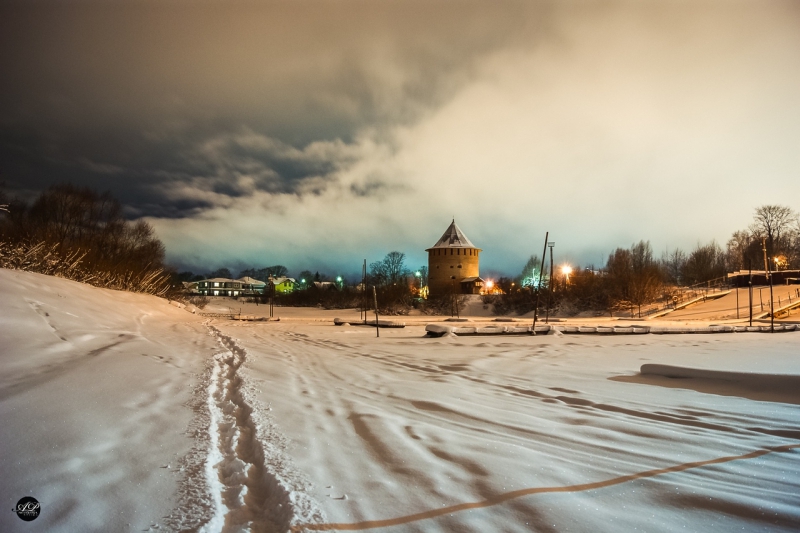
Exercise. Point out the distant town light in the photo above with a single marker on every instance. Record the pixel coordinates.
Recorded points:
(566, 270)
(489, 284)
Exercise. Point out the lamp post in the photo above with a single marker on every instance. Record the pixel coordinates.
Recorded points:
(454, 301)
(418, 275)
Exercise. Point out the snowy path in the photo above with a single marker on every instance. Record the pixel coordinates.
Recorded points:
(248, 495)
(252, 480)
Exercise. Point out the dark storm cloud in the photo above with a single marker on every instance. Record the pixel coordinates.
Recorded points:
(143, 97)
(309, 133)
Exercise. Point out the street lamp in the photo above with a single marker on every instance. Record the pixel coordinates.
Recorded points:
(566, 270)
(454, 301)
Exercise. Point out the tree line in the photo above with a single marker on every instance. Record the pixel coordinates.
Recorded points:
(633, 277)
(81, 234)
(78, 233)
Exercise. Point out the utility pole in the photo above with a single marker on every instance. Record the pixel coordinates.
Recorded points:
(271, 295)
(769, 277)
(375, 299)
(550, 290)
(750, 283)
(539, 289)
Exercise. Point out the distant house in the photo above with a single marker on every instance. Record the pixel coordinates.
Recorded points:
(219, 287)
(252, 285)
(283, 285)
(472, 285)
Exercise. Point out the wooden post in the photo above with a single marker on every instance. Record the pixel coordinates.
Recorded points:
(364, 291)
(375, 298)
(771, 302)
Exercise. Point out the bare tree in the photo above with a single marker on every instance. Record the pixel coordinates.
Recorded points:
(646, 281)
(390, 270)
(633, 277)
(704, 263)
(277, 271)
(737, 250)
(672, 265)
(775, 223)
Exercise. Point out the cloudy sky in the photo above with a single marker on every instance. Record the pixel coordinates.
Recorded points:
(316, 134)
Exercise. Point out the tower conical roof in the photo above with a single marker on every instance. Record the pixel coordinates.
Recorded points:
(453, 238)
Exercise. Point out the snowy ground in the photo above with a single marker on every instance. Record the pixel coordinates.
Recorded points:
(303, 425)
(93, 399)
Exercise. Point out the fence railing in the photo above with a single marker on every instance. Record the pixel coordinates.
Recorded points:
(683, 295)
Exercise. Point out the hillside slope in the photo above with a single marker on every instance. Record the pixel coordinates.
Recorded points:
(94, 403)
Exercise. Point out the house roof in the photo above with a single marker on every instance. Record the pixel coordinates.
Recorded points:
(251, 281)
(453, 238)
(220, 280)
(278, 281)
(469, 280)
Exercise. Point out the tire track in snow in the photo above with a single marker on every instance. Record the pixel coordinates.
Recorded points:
(246, 467)
(512, 495)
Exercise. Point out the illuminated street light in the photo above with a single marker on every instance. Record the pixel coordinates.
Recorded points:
(566, 270)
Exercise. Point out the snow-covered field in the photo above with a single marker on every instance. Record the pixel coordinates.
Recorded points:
(302, 425)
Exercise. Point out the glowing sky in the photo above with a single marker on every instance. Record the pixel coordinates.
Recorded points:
(317, 134)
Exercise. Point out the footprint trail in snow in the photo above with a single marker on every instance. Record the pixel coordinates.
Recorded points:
(253, 484)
